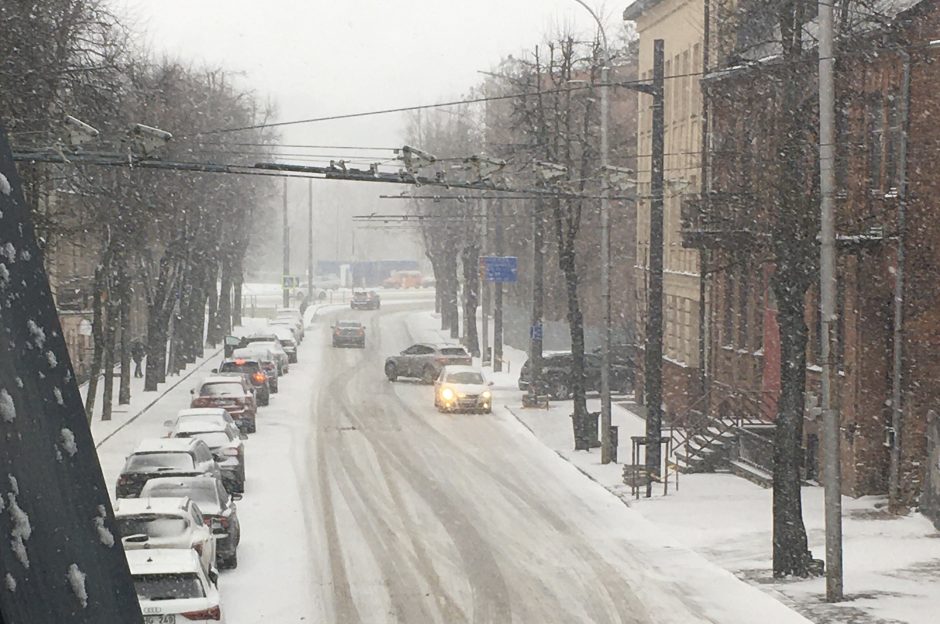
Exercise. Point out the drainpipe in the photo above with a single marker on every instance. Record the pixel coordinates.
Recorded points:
(894, 479)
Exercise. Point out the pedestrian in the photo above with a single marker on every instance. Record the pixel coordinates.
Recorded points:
(304, 304)
(137, 353)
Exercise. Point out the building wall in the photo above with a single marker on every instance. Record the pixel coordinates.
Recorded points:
(680, 24)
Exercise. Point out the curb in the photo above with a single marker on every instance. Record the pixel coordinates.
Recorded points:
(162, 394)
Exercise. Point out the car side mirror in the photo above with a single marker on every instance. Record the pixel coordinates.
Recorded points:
(236, 497)
(167, 423)
(490, 383)
(213, 576)
(215, 370)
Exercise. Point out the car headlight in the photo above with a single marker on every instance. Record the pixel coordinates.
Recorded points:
(486, 395)
(447, 394)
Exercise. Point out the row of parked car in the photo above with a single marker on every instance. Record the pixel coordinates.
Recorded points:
(176, 496)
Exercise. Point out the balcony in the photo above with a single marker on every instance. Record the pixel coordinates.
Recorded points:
(722, 221)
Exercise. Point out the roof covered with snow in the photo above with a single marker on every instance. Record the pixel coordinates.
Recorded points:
(163, 561)
(165, 445)
(137, 506)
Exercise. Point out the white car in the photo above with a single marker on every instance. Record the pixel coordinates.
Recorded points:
(206, 418)
(295, 317)
(288, 338)
(172, 583)
(462, 389)
(146, 524)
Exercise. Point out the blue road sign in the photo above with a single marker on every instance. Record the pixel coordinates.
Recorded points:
(500, 268)
(535, 332)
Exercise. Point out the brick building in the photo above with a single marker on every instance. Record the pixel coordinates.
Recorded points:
(733, 224)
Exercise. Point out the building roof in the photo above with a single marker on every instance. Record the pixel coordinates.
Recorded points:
(638, 8)
(163, 561)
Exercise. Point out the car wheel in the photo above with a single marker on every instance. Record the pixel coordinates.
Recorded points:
(428, 375)
(265, 400)
(560, 390)
(230, 562)
(391, 371)
(252, 427)
(293, 359)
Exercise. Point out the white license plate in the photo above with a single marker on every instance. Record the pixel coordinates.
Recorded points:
(160, 619)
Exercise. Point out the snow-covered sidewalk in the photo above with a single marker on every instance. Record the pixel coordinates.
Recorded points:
(892, 564)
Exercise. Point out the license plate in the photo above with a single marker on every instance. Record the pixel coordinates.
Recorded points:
(160, 619)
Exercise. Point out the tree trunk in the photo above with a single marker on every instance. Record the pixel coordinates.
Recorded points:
(123, 294)
(238, 279)
(97, 332)
(223, 320)
(110, 331)
(582, 439)
(791, 555)
(470, 259)
(212, 331)
(156, 352)
(451, 300)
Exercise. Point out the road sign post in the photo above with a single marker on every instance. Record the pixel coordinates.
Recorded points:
(500, 268)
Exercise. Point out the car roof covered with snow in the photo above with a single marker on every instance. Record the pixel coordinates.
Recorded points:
(166, 445)
(223, 378)
(203, 411)
(170, 506)
(194, 425)
(163, 561)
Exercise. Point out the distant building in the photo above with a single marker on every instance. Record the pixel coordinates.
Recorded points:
(680, 24)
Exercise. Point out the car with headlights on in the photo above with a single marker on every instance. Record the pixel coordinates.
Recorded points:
(216, 504)
(144, 523)
(349, 333)
(424, 361)
(462, 389)
(226, 446)
(159, 457)
(172, 587)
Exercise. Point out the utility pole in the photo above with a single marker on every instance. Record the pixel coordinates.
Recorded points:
(498, 293)
(484, 285)
(832, 476)
(286, 246)
(538, 270)
(654, 303)
(310, 240)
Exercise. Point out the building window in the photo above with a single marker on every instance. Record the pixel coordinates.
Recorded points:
(743, 293)
(876, 138)
(727, 325)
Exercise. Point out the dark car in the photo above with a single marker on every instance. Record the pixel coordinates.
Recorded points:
(424, 361)
(349, 333)
(254, 374)
(365, 300)
(267, 360)
(215, 503)
(233, 393)
(557, 372)
(164, 457)
(622, 366)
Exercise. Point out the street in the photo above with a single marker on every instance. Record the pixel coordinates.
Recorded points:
(363, 504)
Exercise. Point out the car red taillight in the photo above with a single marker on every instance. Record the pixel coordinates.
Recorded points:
(259, 377)
(213, 613)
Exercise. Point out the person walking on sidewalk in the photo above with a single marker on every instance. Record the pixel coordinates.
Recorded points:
(137, 353)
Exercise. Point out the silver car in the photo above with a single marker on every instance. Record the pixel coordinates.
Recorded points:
(424, 361)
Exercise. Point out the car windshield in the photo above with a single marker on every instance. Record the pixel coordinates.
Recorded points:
(349, 324)
(244, 367)
(214, 439)
(465, 377)
(152, 525)
(210, 422)
(203, 492)
(168, 586)
(221, 389)
(151, 462)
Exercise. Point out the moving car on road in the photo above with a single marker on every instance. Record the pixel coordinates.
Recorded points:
(365, 300)
(349, 333)
(462, 389)
(226, 446)
(424, 361)
(159, 457)
(217, 507)
(172, 583)
(145, 523)
(252, 373)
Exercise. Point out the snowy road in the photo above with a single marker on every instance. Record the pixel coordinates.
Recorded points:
(363, 504)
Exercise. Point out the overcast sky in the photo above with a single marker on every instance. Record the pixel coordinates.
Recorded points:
(316, 58)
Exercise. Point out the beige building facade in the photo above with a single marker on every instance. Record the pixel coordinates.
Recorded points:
(680, 24)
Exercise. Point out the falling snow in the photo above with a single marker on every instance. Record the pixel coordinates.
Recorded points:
(39, 336)
(104, 535)
(58, 396)
(50, 357)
